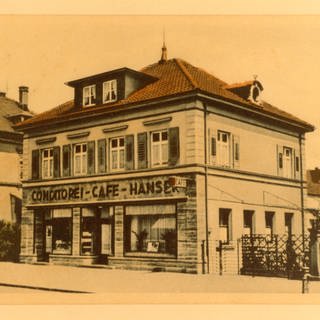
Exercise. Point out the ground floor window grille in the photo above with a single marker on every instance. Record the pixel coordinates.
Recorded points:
(61, 231)
(151, 229)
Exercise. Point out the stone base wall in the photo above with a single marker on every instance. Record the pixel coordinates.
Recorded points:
(160, 264)
(73, 260)
(28, 258)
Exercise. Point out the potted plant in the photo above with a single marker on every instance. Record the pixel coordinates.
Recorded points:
(141, 237)
(170, 238)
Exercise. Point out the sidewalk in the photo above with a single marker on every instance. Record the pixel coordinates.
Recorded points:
(101, 280)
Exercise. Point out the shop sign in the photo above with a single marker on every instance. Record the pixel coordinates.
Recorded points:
(129, 189)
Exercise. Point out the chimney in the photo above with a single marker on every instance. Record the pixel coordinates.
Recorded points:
(23, 97)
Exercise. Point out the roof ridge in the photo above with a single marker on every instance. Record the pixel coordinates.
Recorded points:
(186, 72)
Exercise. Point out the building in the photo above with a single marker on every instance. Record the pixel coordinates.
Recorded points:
(11, 112)
(151, 169)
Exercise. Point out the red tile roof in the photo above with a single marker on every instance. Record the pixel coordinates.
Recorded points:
(175, 77)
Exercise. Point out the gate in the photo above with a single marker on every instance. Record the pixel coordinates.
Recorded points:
(275, 255)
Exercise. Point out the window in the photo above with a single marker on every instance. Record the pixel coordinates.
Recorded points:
(80, 159)
(117, 153)
(287, 162)
(159, 148)
(89, 95)
(288, 219)
(225, 225)
(248, 224)
(61, 231)
(47, 163)
(109, 91)
(151, 229)
(223, 149)
(88, 232)
(269, 217)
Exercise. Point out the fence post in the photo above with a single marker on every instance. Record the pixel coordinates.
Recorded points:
(220, 258)
(277, 253)
(203, 256)
(305, 280)
(238, 254)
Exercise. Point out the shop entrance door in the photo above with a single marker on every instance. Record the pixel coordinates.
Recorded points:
(48, 242)
(106, 239)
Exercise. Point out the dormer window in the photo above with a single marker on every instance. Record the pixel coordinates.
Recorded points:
(89, 95)
(109, 91)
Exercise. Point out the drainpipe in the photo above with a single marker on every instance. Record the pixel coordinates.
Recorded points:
(206, 182)
(301, 190)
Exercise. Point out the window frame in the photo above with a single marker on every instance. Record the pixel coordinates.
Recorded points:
(49, 159)
(83, 161)
(92, 95)
(287, 165)
(118, 149)
(270, 215)
(249, 215)
(108, 89)
(221, 154)
(228, 217)
(161, 143)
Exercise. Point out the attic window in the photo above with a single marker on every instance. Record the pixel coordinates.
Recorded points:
(109, 91)
(89, 95)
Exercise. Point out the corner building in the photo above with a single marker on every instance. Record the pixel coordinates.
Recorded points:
(150, 169)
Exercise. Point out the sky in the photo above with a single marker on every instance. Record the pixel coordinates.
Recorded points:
(45, 51)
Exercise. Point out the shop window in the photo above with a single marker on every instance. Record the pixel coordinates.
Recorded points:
(288, 221)
(61, 231)
(109, 91)
(89, 232)
(47, 163)
(248, 223)
(80, 159)
(269, 223)
(225, 225)
(117, 153)
(151, 229)
(89, 95)
(159, 148)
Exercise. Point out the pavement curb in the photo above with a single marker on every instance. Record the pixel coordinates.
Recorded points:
(42, 288)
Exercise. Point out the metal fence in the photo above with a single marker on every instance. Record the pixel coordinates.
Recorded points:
(275, 255)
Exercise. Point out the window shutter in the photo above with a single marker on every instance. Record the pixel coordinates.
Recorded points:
(173, 144)
(212, 146)
(297, 164)
(91, 157)
(56, 162)
(102, 156)
(279, 159)
(142, 150)
(66, 160)
(236, 151)
(35, 165)
(129, 152)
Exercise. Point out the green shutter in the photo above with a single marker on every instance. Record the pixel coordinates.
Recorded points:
(173, 144)
(102, 156)
(35, 164)
(56, 162)
(66, 160)
(91, 157)
(142, 150)
(236, 151)
(129, 152)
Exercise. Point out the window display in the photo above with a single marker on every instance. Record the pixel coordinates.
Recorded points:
(62, 231)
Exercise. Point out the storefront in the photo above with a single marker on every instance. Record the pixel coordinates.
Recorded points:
(115, 223)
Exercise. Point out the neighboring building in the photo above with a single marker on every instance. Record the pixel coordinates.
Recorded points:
(148, 169)
(11, 112)
(313, 191)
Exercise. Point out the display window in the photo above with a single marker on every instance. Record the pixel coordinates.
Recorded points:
(151, 229)
(61, 231)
